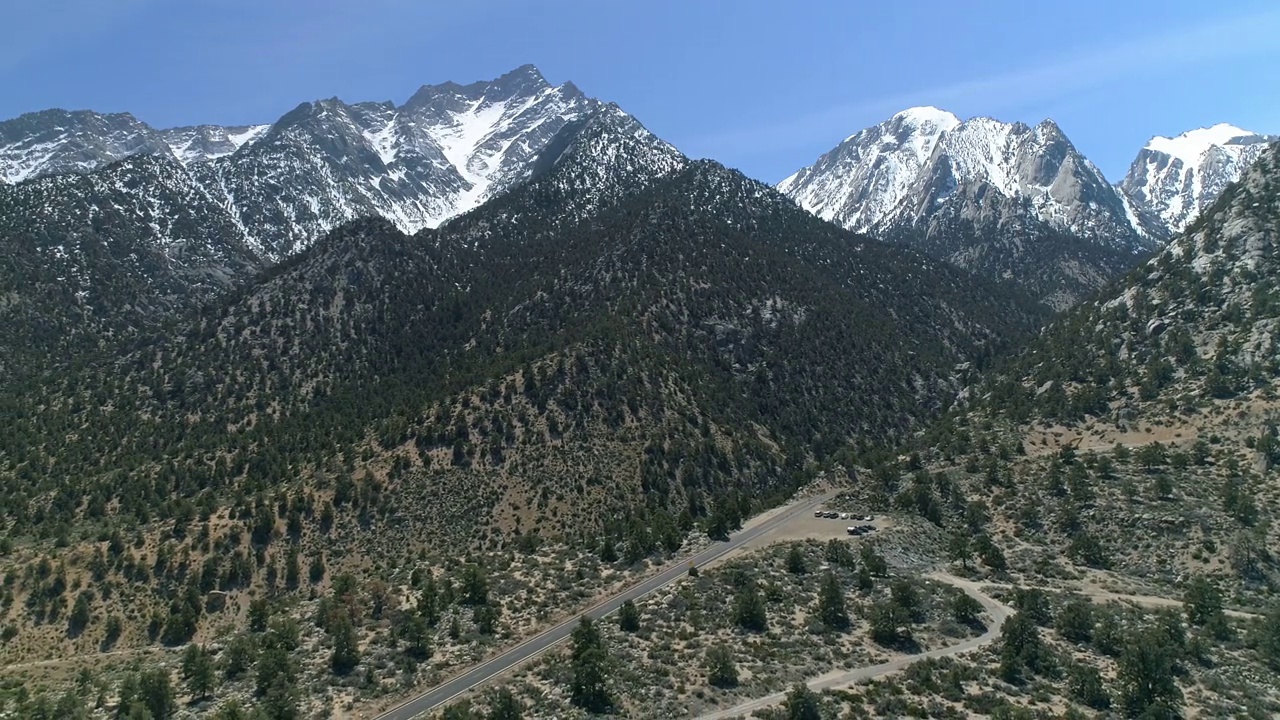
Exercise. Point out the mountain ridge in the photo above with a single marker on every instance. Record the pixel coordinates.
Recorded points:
(1008, 200)
(1173, 180)
(445, 150)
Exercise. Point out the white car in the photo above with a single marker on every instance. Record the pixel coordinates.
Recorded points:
(844, 516)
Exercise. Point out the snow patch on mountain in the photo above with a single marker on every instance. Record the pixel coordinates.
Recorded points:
(209, 142)
(859, 182)
(1174, 179)
(383, 141)
(1191, 146)
(923, 161)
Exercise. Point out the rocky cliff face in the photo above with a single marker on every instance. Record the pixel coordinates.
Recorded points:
(1009, 200)
(1173, 180)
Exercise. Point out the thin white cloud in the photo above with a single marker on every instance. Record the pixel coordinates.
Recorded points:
(1152, 55)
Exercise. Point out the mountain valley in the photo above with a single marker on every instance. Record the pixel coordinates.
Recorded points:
(307, 419)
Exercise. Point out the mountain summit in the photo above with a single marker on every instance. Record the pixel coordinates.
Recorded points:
(1173, 180)
(447, 149)
(957, 189)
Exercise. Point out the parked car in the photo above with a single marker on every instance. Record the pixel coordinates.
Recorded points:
(819, 513)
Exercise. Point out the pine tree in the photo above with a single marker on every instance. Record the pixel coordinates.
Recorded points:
(1021, 649)
(589, 687)
(629, 617)
(475, 585)
(722, 671)
(197, 670)
(429, 602)
(831, 606)
(155, 693)
(1266, 638)
(1203, 602)
(417, 637)
(801, 703)
(1145, 674)
(874, 562)
(965, 609)
(346, 650)
(80, 616)
(505, 706)
(292, 572)
(486, 618)
(795, 561)
(749, 609)
(960, 550)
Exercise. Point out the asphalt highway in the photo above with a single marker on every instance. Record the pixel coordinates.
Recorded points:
(489, 669)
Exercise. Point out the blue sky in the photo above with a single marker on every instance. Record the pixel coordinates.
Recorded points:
(761, 85)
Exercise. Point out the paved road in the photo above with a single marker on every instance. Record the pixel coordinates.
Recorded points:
(489, 669)
(842, 678)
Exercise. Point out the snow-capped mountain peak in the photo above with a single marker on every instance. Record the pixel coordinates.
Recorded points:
(863, 178)
(1174, 179)
(907, 168)
(447, 149)
(927, 117)
(209, 142)
(1191, 146)
(1008, 199)
(59, 141)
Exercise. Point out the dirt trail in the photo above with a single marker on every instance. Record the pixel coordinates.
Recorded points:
(997, 611)
(994, 608)
(1097, 594)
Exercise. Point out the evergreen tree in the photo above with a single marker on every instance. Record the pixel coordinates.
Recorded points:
(865, 582)
(722, 671)
(475, 585)
(417, 637)
(608, 551)
(888, 624)
(197, 670)
(1266, 638)
(1203, 602)
(831, 606)
(590, 661)
(838, 553)
(795, 561)
(505, 706)
(240, 654)
(292, 571)
(79, 618)
(150, 690)
(906, 596)
(1084, 683)
(429, 602)
(346, 649)
(1075, 621)
(316, 571)
(801, 704)
(1145, 675)
(749, 608)
(1021, 649)
(874, 562)
(275, 667)
(959, 549)
(629, 617)
(965, 610)
(486, 618)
